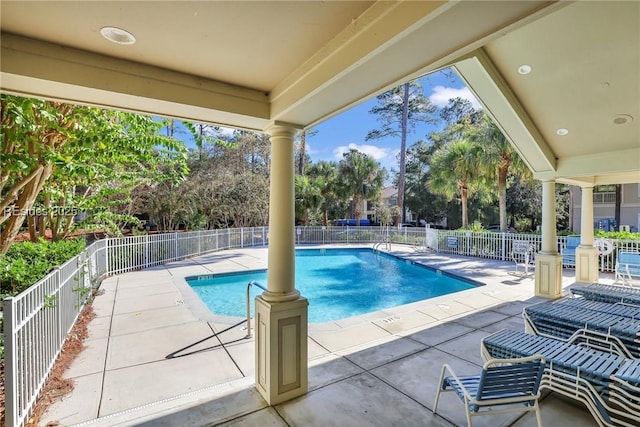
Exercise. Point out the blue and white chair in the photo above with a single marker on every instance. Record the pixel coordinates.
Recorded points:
(510, 383)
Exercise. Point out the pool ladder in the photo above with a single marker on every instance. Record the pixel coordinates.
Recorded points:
(386, 243)
(252, 283)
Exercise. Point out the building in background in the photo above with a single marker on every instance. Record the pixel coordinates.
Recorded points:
(605, 205)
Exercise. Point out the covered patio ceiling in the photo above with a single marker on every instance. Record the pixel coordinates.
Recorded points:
(249, 64)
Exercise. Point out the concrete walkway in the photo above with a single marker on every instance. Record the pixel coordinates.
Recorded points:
(156, 356)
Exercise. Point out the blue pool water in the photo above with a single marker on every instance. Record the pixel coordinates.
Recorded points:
(338, 283)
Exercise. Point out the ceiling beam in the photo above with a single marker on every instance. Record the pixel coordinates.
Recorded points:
(39, 69)
(484, 80)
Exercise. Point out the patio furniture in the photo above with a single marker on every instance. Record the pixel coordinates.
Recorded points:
(569, 250)
(625, 387)
(606, 383)
(514, 382)
(522, 253)
(608, 327)
(608, 293)
(627, 267)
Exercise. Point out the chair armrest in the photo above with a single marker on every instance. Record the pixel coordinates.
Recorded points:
(447, 368)
(492, 362)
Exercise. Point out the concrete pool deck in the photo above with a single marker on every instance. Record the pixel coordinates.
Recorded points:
(155, 356)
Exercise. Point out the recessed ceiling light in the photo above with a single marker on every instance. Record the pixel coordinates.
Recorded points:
(524, 69)
(117, 35)
(622, 119)
(562, 131)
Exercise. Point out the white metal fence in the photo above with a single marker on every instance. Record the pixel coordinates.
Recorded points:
(37, 321)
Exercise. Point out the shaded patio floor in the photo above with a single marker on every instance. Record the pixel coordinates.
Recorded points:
(156, 356)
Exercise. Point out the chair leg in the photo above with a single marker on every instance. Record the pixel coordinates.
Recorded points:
(466, 407)
(537, 409)
(435, 404)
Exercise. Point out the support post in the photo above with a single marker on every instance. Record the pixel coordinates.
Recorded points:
(548, 275)
(281, 313)
(586, 253)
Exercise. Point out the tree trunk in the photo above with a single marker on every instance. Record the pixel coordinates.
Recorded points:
(303, 149)
(502, 196)
(357, 208)
(463, 201)
(31, 225)
(403, 152)
(24, 203)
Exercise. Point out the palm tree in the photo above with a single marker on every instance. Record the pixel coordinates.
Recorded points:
(498, 160)
(454, 171)
(360, 178)
(326, 173)
(308, 196)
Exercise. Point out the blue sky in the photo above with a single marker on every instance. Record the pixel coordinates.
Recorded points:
(349, 129)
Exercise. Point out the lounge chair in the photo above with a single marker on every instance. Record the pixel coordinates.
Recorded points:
(569, 251)
(522, 253)
(625, 387)
(608, 293)
(605, 326)
(606, 383)
(627, 267)
(514, 382)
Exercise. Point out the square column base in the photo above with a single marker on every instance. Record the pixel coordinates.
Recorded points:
(586, 264)
(281, 349)
(548, 275)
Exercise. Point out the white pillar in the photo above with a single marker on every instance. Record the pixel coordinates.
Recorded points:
(548, 276)
(281, 313)
(549, 236)
(281, 262)
(586, 253)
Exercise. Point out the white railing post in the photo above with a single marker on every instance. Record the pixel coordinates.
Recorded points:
(106, 255)
(10, 362)
(146, 251)
(504, 246)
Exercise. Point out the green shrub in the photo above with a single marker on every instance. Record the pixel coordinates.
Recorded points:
(620, 235)
(26, 262)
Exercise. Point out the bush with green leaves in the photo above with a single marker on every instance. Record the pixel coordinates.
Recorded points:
(26, 262)
(620, 235)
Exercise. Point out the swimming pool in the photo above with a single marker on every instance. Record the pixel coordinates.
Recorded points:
(338, 283)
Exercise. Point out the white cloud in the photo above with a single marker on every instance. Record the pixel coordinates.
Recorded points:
(218, 131)
(310, 149)
(378, 153)
(441, 96)
(228, 132)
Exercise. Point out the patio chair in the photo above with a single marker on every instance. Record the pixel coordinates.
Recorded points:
(513, 382)
(608, 327)
(522, 253)
(625, 388)
(627, 267)
(608, 293)
(569, 250)
(607, 384)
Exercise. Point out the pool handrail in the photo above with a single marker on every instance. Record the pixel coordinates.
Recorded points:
(251, 283)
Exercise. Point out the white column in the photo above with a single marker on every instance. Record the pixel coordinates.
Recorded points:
(548, 276)
(586, 253)
(549, 236)
(281, 313)
(281, 263)
(586, 217)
